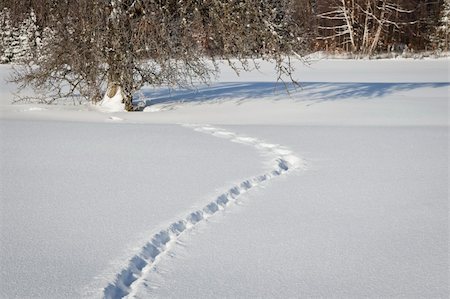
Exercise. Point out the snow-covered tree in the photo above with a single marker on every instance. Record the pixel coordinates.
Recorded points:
(442, 34)
(114, 47)
(17, 41)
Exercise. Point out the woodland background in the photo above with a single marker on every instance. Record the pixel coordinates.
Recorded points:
(361, 27)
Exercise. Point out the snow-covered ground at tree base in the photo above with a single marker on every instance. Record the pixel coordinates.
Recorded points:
(336, 189)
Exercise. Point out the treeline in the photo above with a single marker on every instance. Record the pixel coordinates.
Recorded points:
(353, 26)
(369, 26)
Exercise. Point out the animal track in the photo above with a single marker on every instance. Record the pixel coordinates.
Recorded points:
(282, 161)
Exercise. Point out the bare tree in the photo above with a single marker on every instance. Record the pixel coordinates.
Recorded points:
(114, 47)
(362, 23)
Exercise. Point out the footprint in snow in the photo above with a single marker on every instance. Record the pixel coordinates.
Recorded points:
(115, 118)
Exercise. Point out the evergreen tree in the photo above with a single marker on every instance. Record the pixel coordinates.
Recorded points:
(441, 36)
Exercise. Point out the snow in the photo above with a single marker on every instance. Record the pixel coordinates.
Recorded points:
(113, 104)
(77, 198)
(332, 92)
(337, 189)
(282, 160)
(366, 220)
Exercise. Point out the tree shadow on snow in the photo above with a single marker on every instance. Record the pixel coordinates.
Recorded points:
(314, 92)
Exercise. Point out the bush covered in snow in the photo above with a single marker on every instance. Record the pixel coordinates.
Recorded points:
(16, 41)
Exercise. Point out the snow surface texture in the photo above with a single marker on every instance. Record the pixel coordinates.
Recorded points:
(368, 219)
(78, 198)
(83, 190)
(282, 159)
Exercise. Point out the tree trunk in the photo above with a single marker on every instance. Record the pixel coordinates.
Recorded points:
(118, 92)
(348, 20)
(128, 101)
(120, 76)
(376, 38)
(365, 41)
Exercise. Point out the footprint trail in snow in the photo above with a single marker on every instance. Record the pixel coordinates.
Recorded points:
(280, 160)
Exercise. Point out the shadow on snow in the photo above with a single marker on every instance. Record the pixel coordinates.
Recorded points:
(308, 91)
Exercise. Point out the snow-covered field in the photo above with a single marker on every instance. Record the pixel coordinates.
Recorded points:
(237, 190)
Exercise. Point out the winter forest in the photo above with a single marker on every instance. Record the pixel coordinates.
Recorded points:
(356, 26)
